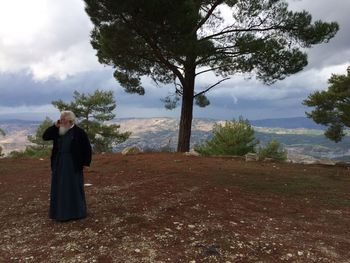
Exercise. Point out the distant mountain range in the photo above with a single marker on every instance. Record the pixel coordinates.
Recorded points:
(300, 136)
(287, 123)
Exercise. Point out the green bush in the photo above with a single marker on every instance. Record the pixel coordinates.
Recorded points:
(16, 154)
(233, 138)
(39, 147)
(273, 150)
(30, 152)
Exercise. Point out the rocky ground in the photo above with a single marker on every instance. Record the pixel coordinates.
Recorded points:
(167, 207)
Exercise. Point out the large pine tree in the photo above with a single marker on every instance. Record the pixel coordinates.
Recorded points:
(176, 41)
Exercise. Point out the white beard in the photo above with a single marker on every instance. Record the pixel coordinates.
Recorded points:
(62, 130)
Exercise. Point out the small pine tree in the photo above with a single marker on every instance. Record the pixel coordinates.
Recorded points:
(273, 150)
(38, 146)
(233, 138)
(92, 112)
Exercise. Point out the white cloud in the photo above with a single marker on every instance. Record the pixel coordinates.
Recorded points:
(77, 58)
(48, 38)
(22, 21)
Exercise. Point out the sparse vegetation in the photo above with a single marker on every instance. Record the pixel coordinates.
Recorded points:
(16, 154)
(38, 147)
(233, 138)
(164, 148)
(145, 205)
(1, 153)
(273, 150)
(1, 149)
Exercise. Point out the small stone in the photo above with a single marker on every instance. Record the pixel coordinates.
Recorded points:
(191, 226)
(131, 150)
(137, 250)
(300, 253)
(249, 157)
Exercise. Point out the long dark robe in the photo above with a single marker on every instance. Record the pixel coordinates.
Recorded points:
(67, 198)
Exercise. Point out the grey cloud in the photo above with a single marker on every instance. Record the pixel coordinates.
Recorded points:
(17, 89)
(337, 51)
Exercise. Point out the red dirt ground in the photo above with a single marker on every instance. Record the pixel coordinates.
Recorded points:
(167, 207)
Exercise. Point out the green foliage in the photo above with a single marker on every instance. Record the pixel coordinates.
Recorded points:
(174, 42)
(332, 106)
(38, 146)
(92, 112)
(1, 149)
(233, 138)
(170, 102)
(273, 150)
(164, 148)
(17, 154)
(157, 38)
(202, 101)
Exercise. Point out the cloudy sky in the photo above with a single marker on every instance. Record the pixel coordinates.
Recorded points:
(45, 54)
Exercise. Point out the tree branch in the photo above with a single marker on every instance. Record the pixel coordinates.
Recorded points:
(156, 50)
(209, 13)
(178, 90)
(207, 59)
(209, 88)
(250, 29)
(211, 69)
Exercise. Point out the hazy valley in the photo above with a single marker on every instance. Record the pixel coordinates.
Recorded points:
(301, 137)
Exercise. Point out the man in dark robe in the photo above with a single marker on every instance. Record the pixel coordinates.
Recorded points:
(70, 153)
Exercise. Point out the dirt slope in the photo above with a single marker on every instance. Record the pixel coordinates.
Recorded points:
(159, 207)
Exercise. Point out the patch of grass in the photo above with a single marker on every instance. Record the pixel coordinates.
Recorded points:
(327, 189)
(338, 201)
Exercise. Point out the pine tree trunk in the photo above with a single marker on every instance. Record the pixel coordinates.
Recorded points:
(186, 112)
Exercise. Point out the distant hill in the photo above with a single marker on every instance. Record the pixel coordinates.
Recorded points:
(299, 135)
(288, 123)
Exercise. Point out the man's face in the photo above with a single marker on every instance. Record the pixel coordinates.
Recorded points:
(64, 121)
